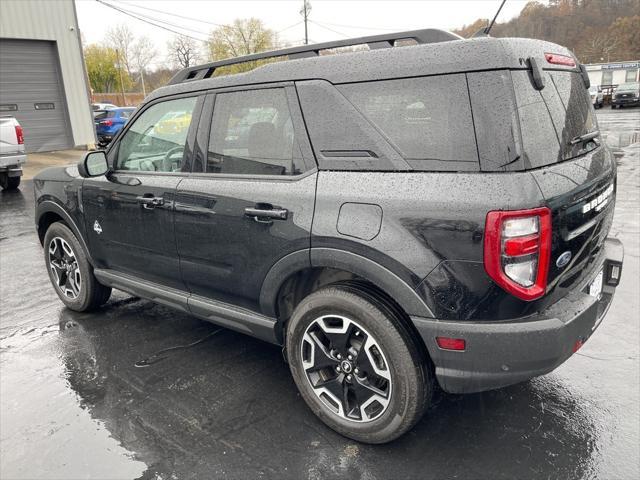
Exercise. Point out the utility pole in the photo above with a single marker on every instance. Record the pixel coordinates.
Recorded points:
(144, 91)
(121, 81)
(306, 10)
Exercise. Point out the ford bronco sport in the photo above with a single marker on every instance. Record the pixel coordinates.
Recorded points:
(397, 217)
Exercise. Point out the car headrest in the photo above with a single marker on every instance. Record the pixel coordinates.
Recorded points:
(262, 141)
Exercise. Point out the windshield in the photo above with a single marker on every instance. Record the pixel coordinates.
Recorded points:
(628, 87)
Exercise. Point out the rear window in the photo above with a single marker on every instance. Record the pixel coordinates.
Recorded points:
(427, 119)
(105, 114)
(552, 117)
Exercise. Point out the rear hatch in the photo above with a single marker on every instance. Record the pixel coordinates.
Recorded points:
(576, 173)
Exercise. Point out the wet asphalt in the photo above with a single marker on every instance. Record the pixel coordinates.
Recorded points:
(137, 390)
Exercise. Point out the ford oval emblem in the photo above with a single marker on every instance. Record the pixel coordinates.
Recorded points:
(563, 259)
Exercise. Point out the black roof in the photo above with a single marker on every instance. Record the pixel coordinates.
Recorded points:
(445, 56)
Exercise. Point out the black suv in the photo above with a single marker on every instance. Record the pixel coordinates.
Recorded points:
(397, 217)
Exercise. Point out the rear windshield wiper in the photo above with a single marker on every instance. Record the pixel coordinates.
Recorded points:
(585, 137)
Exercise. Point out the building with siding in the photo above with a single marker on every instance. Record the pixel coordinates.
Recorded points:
(608, 74)
(43, 82)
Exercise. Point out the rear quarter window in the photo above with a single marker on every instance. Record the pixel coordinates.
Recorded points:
(428, 119)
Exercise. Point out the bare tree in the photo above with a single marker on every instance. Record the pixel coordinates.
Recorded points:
(183, 51)
(121, 38)
(599, 48)
(143, 53)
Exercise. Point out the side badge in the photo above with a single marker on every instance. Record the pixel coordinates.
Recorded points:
(97, 228)
(563, 259)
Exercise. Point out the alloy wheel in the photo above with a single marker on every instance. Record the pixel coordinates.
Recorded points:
(346, 368)
(64, 267)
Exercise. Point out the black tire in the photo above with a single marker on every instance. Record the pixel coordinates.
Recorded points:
(90, 294)
(9, 183)
(411, 381)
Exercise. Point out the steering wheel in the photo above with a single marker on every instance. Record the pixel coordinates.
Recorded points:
(166, 161)
(148, 165)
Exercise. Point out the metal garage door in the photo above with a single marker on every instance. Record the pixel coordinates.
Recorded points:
(31, 90)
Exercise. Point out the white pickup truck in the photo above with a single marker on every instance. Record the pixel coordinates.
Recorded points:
(12, 153)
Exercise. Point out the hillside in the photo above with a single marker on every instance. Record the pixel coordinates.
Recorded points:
(596, 30)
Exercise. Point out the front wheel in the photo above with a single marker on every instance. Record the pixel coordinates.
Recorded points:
(356, 365)
(70, 272)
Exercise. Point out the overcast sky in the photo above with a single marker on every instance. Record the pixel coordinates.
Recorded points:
(329, 19)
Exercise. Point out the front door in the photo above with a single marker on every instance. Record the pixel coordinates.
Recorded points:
(252, 202)
(129, 213)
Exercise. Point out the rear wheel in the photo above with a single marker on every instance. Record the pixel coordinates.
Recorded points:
(9, 183)
(70, 272)
(356, 365)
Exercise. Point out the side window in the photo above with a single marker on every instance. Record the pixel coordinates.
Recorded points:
(156, 140)
(252, 133)
(425, 118)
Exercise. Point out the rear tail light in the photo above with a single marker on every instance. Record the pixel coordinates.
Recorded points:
(106, 123)
(557, 59)
(447, 343)
(19, 135)
(517, 248)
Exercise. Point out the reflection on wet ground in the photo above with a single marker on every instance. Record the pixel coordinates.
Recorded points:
(137, 390)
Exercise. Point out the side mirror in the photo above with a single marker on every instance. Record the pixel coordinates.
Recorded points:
(93, 164)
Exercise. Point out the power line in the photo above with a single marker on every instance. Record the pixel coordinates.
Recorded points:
(148, 21)
(148, 17)
(330, 29)
(172, 14)
(184, 17)
(363, 28)
(290, 26)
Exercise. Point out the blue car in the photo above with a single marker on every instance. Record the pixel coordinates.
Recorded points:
(110, 122)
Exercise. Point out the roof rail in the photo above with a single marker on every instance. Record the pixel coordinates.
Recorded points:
(430, 35)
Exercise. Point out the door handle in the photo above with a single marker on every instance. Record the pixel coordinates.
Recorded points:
(149, 201)
(259, 214)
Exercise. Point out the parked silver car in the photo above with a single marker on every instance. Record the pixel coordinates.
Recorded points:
(12, 153)
(597, 97)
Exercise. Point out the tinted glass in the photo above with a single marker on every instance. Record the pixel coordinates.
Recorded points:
(551, 118)
(156, 140)
(496, 120)
(252, 133)
(425, 118)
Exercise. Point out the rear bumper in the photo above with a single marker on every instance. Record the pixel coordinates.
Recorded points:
(12, 163)
(498, 354)
(105, 138)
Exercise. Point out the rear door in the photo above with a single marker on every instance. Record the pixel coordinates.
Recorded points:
(129, 213)
(576, 176)
(250, 198)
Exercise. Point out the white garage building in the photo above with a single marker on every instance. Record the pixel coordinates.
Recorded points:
(606, 74)
(42, 74)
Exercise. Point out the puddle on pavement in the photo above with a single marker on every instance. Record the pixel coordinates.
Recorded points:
(47, 430)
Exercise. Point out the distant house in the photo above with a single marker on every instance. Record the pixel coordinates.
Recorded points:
(42, 76)
(605, 74)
